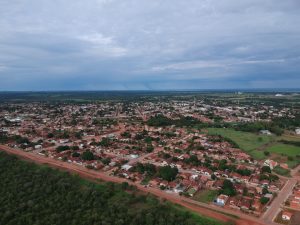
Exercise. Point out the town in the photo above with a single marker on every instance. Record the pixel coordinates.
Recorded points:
(224, 152)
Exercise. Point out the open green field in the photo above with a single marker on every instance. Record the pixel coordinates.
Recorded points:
(282, 171)
(253, 144)
(289, 154)
(284, 149)
(206, 196)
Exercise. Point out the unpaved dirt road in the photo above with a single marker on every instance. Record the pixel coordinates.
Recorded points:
(206, 210)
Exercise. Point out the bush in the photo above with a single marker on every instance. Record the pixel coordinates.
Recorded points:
(266, 169)
(168, 173)
(264, 200)
(62, 148)
(88, 156)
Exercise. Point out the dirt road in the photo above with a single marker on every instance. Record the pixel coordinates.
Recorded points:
(204, 209)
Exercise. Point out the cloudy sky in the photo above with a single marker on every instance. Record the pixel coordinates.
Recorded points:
(149, 44)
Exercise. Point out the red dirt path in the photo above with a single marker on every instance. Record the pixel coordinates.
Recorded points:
(90, 174)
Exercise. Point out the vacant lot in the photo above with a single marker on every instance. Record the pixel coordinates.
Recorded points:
(282, 171)
(286, 153)
(253, 144)
(206, 196)
(284, 149)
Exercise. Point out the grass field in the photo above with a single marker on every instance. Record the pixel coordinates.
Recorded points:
(289, 154)
(248, 142)
(255, 145)
(206, 196)
(282, 171)
(284, 149)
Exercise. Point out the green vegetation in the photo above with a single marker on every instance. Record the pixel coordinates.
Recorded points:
(261, 147)
(266, 169)
(168, 173)
(295, 143)
(206, 196)
(255, 127)
(286, 153)
(62, 148)
(282, 171)
(87, 155)
(105, 122)
(287, 150)
(248, 142)
(264, 200)
(162, 121)
(198, 219)
(228, 188)
(31, 194)
(147, 168)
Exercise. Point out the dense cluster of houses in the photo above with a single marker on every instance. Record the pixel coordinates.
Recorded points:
(118, 139)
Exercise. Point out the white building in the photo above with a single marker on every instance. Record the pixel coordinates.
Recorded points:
(222, 199)
(286, 215)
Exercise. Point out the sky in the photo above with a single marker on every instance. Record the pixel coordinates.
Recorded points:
(149, 44)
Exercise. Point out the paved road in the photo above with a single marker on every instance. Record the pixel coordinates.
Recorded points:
(274, 208)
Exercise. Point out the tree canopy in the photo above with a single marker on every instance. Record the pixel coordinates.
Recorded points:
(37, 195)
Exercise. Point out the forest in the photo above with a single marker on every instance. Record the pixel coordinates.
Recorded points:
(38, 195)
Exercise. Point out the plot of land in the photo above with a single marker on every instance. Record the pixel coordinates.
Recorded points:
(248, 142)
(206, 196)
(284, 149)
(255, 145)
(282, 171)
(286, 153)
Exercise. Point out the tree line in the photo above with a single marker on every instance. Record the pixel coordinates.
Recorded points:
(38, 195)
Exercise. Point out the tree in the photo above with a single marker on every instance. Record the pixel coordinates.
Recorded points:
(264, 200)
(106, 161)
(124, 185)
(265, 191)
(104, 142)
(78, 135)
(87, 155)
(193, 160)
(213, 177)
(62, 148)
(75, 154)
(148, 140)
(50, 135)
(75, 148)
(168, 173)
(266, 169)
(228, 188)
(31, 192)
(244, 172)
(126, 134)
(150, 148)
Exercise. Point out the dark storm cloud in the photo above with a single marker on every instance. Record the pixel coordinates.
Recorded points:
(134, 44)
